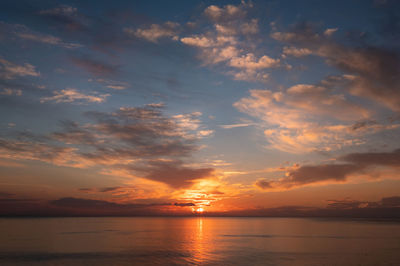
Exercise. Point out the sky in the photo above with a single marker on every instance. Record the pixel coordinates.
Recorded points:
(265, 108)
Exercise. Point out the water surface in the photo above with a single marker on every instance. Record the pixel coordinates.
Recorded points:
(198, 241)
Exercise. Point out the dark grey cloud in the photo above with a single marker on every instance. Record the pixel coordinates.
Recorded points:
(391, 159)
(176, 174)
(188, 204)
(371, 71)
(6, 194)
(346, 204)
(391, 202)
(98, 204)
(66, 16)
(104, 189)
(109, 189)
(384, 208)
(352, 163)
(387, 207)
(94, 66)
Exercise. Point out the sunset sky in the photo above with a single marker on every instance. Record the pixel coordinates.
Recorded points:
(166, 107)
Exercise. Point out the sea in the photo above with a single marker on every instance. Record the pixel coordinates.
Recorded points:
(198, 241)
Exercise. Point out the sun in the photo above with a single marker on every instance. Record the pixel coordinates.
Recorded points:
(198, 210)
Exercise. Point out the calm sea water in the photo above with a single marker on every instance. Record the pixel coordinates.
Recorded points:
(198, 241)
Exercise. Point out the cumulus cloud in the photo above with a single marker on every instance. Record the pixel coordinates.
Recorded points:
(229, 42)
(250, 62)
(347, 166)
(296, 52)
(155, 31)
(227, 12)
(9, 70)
(71, 95)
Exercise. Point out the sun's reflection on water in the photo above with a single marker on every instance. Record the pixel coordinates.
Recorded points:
(199, 244)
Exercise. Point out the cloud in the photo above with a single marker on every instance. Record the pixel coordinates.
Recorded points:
(250, 62)
(9, 92)
(66, 16)
(25, 33)
(306, 175)
(111, 84)
(296, 52)
(109, 189)
(350, 164)
(235, 125)
(387, 207)
(89, 207)
(48, 39)
(71, 95)
(29, 150)
(9, 70)
(329, 32)
(64, 10)
(94, 67)
(373, 72)
(335, 208)
(155, 31)
(230, 43)
(188, 204)
(296, 119)
(391, 201)
(226, 13)
(177, 174)
(390, 159)
(139, 141)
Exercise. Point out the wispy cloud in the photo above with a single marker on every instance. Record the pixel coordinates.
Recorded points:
(111, 84)
(48, 39)
(9, 70)
(71, 95)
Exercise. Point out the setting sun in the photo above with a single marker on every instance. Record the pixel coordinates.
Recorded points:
(198, 210)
